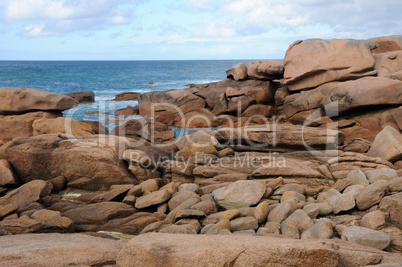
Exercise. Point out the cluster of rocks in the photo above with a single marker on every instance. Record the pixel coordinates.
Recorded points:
(307, 148)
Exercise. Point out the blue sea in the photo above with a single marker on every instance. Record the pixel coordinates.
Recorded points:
(109, 78)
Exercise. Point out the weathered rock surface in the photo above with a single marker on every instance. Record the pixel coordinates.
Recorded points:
(7, 176)
(280, 136)
(374, 220)
(98, 213)
(387, 145)
(15, 100)
(239, 194)
(371, 195)
(387, 43)
(313, 62)
(125, 96)
(62, 125)
(132, 224)
(211, 250)
(393, 205)
(83, 96)
(367, 237)
(154, 198)
(265, 69)
(13, 126)
(238, 72)
(87, 163)
(128, 111)
(58, 250)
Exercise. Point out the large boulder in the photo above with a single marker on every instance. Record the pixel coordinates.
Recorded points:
(202, 118)
(13, 126)
(280, 136)
(157, 103)
(237, 72)
(25, 195)
(339, 98)
(387, 145)
(387, 43)
(54, 249)
(126, 96)
(62, 125)
(239, 194)
(83, 96)
(389, 63)
(21, 100)
(145, 131)
(155, 249)
(232, 97)
(313, 62)
(265, 69)
(366, 237)
(85, 163)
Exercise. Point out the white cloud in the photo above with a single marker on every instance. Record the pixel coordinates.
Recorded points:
(58, 17)
(34, 31)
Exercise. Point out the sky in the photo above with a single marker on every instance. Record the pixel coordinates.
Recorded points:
(183, 29)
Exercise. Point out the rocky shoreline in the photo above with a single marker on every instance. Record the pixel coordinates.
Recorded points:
(309, 148)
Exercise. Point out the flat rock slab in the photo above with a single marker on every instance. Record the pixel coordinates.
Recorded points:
(156, 249)
(21, 100)
(58, 250)
(279, 136)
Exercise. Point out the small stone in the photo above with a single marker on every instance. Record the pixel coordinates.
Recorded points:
(282, 211)
(321, 230)
(366, 237)
(7, 176)
(340, 203)
(226, 152)
(7, 209)
(374, 220)
(189, 187)
(185, 205)
(162, 208)
(261, 211)
(179, 229)
(180, 197)
(395, 185)
(354, 190)
(290, 187)
(243, 223)
(296, 224)
(193, 222)
(150, 185)
(371, 195)
(54, 219)
(292, 194)
(171, 187)
(189, 213)
(341, 184)
(272, 228)
(217, 228)
(130, 200)
(230, 214)
(153, 227)
(380, 174)
(323, 196)
(239, 194)
(225, 232)
(208, 207)
(153, 198)
(357, 177)
(312, 210)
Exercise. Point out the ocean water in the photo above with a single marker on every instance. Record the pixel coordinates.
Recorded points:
(108, 78)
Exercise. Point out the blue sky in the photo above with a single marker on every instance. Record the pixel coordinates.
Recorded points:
(183, 29)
